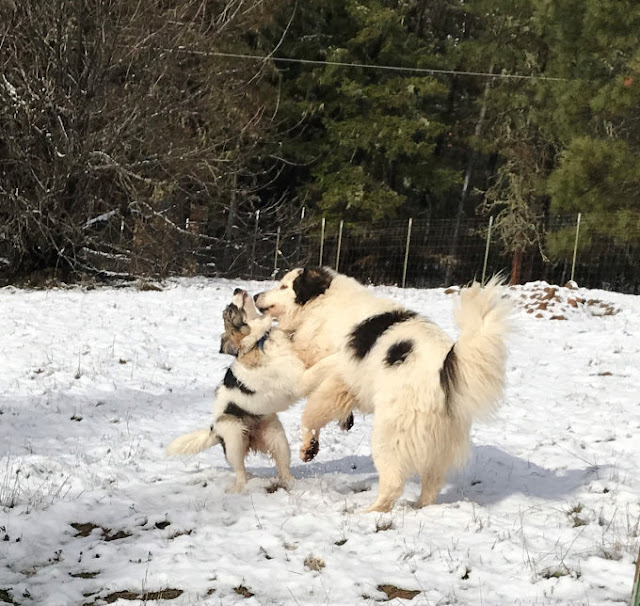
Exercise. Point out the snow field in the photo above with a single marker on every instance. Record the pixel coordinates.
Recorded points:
(95, 383)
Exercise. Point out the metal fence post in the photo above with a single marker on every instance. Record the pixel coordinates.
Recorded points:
(299, 244)
(339, 244)
(635, 596)
(486, 249)
(322, 226)
(253, 246)
(575, 247)
(406, 253)
(275, 256)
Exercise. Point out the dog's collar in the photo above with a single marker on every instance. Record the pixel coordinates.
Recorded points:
(262, 340)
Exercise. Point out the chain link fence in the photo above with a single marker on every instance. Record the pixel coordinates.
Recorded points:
(423, 253)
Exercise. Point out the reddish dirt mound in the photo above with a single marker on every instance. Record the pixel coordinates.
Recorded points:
(549, 302)
(559, 302)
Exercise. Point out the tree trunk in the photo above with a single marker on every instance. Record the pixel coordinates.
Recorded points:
(516, 268)
(453, 250)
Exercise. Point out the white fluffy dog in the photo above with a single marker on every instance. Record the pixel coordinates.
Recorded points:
(424, 389)
(264, 379)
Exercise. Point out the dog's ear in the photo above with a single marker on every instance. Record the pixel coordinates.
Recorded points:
(232, 318)
(311, 283)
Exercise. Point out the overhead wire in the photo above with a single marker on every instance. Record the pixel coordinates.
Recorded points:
(398, 68)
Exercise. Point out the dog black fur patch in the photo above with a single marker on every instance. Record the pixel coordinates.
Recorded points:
(312, 451)
(448, 376)
(234, 410)
(398, 352)
(224, 446)
(347, 424)
(311, 283)
(230, 381)
(364, 336)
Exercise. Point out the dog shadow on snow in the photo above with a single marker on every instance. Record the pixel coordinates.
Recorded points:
(491, 475)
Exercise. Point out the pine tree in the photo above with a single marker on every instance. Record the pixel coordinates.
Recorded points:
(596, 117)
(365, 140)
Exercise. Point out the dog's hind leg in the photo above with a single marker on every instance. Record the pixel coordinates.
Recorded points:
(431, 482)
(274, 442)
(236, 446)
(391, 471)
(330, 401)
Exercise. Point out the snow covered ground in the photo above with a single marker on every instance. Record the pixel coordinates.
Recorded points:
(95, 383)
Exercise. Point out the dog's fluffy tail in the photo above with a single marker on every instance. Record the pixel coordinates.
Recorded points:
(193, 443)
(473, 371)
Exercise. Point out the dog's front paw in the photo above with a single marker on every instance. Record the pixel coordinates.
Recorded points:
(381, 507)
(285, 482)
(308, 453)
(235, 488)
(346, 424)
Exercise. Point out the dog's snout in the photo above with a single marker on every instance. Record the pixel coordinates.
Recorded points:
(237, 291)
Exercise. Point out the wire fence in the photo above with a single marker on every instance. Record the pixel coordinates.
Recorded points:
(423, 253)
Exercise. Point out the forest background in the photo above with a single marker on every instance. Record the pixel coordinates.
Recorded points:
(171, 137)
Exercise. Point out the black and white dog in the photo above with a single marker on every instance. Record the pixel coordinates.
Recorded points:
(264, 379)
(368, 352)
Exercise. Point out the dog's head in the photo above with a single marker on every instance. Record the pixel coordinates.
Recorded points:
(295, 290)
(236, 316)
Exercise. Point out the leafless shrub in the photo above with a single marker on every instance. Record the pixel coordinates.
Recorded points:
(118, 123)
